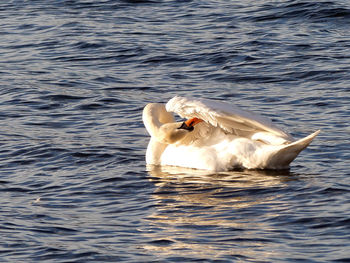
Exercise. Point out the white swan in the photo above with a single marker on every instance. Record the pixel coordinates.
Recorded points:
(217, 136)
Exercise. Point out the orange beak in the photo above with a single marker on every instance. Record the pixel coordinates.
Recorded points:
(193, 121)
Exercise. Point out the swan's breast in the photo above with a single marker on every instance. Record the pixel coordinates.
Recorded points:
(190, 156)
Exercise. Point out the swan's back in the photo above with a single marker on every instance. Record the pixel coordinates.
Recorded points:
(228, 117)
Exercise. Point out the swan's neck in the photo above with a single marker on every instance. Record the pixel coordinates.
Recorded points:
(154, 116)
(154, 151)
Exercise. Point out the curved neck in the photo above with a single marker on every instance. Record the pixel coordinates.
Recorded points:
(154, 116)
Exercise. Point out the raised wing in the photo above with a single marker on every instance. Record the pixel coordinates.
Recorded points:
(226, 116)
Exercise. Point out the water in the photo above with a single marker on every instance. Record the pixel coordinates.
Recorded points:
(74, 77)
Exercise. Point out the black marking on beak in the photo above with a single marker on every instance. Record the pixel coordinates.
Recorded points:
(185, 127)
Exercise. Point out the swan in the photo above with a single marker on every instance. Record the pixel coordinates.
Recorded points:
(216, 136)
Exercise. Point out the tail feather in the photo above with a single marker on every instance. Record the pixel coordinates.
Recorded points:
(284, 156)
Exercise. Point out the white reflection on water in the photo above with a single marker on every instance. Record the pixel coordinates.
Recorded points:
(207, 214)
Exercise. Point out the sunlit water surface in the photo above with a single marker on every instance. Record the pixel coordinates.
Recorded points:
(74, 77)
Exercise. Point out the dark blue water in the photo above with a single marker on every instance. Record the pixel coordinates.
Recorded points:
(74, 77)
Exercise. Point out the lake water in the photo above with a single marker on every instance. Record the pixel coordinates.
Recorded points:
(74, 78)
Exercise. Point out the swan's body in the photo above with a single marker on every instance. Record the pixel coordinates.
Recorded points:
(217, 136)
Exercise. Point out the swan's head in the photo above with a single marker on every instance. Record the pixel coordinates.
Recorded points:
(173, 132)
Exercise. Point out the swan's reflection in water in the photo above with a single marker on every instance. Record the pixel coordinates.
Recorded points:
(205, 214)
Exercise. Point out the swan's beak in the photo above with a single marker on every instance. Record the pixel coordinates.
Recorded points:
(193, 121)
(189, 124)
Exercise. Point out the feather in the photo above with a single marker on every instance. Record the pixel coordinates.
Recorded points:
(228, 117)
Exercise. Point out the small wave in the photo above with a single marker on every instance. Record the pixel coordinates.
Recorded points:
(313, 11)
(62, 97)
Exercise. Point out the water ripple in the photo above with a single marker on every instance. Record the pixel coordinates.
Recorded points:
(75, 76)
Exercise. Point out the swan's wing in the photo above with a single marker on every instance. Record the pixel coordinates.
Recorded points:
(226, 116)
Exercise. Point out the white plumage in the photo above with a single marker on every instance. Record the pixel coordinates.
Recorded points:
(222, 138)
